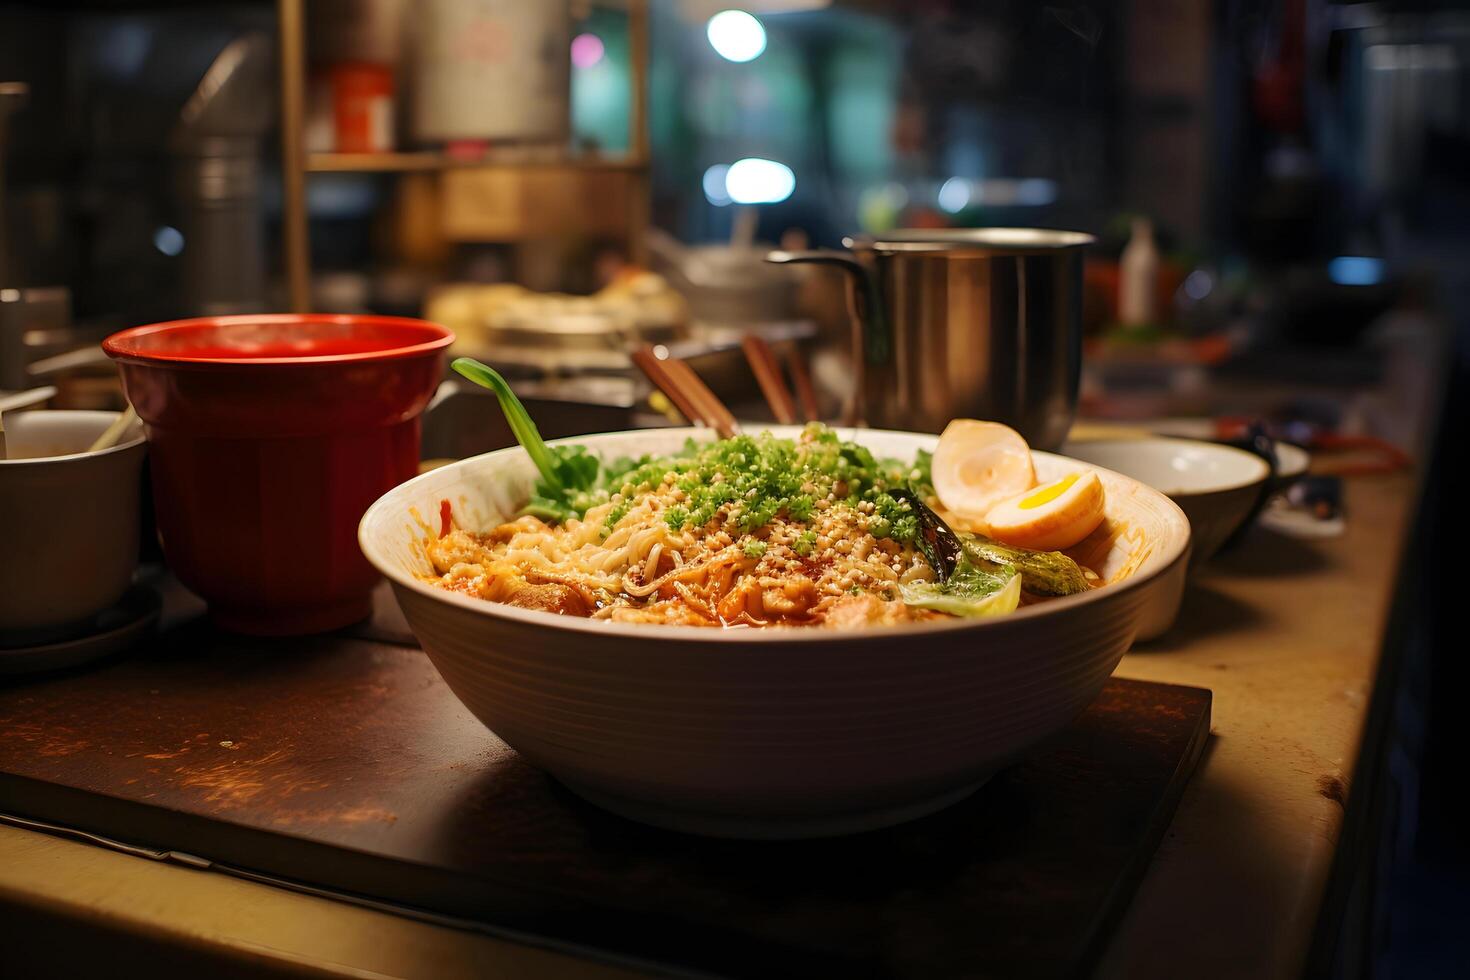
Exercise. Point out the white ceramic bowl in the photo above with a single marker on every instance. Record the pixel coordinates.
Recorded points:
(68, 520)
(769, 733)
(1292, 463)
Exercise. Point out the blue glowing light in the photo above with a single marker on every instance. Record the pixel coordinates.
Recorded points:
(1355, 270)
(954, 194)
(168, 240)
(714, 185)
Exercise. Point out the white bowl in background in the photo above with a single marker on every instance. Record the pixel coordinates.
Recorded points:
(774, 733)
(68, 520)
(1292, 463)
(1218, 487)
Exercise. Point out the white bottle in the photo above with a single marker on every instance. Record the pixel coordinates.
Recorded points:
(1138, 276)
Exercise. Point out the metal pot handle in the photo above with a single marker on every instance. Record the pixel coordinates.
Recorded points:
(867, 302)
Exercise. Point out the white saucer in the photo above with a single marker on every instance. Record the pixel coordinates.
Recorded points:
(117, 628)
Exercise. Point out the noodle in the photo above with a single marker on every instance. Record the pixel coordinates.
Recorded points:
(749, 531)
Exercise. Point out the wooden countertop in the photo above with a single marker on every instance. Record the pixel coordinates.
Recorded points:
(1285, 632)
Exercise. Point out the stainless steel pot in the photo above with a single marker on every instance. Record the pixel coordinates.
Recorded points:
(965, 323)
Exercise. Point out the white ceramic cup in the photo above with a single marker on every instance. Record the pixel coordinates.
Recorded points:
(68, 519)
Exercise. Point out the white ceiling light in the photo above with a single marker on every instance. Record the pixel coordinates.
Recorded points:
(757, 181)
(736, 35)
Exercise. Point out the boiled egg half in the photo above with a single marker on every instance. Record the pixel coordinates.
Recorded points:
(1050, 517)
(977, 465)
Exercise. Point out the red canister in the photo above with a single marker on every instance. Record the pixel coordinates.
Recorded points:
(362, 107)
(269, 436)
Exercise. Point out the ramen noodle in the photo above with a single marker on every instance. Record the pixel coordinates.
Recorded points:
(751, 531)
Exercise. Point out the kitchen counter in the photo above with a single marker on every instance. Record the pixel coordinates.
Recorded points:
(1285, 632)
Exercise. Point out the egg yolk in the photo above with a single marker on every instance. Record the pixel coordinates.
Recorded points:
(1047, 494)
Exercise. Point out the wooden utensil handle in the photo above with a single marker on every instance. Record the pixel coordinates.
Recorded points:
(800, 377)
(767, 373)
(685, 389)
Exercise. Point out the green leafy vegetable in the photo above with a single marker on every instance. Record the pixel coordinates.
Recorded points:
(970, 591)
(570, 476)
(516, 416)
(1047, 573)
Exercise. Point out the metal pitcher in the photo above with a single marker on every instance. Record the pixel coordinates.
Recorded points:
(979, 323)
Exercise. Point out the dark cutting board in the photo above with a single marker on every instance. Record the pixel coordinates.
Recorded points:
(344, 763)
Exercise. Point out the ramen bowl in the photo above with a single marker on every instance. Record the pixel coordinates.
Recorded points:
(768, 733)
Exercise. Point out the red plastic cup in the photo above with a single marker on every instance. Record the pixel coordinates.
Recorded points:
(268, 438)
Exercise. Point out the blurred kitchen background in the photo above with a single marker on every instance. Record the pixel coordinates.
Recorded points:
(1291, 175)
(1279, 191)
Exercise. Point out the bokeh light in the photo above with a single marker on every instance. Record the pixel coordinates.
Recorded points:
(880, 208)
(736, 35)
(757, 181)
(587, 50)
(714, 185)
(954, 194)
(1036, 191)
(1198, 284)
(1355, 270)
(168, 240)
